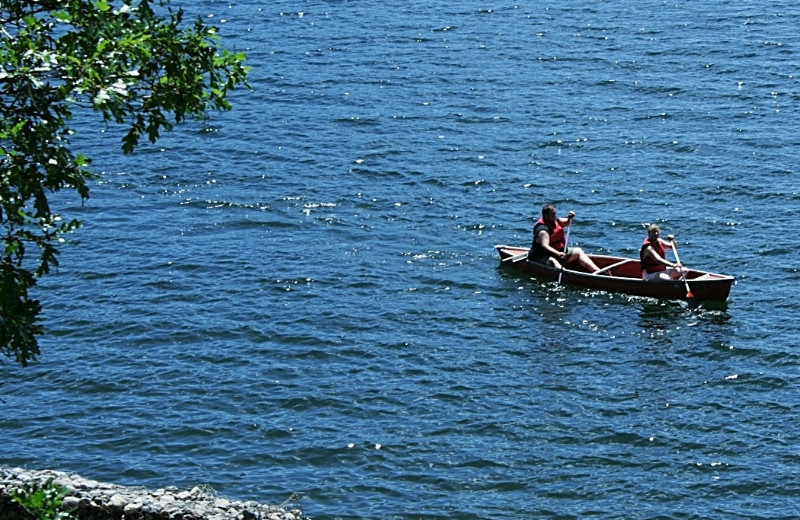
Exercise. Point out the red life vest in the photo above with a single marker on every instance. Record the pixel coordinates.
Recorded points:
(556, 233)
(650, 264)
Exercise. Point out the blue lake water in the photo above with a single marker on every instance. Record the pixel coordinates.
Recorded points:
(302, 295)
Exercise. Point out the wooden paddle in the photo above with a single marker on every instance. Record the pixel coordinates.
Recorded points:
(689, 296)
(566, 241)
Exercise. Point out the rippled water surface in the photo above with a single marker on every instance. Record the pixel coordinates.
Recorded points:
(302, 295)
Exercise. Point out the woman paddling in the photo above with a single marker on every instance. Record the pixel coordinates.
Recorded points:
(655, 265)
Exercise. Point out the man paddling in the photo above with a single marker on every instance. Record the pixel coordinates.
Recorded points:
(548, 246)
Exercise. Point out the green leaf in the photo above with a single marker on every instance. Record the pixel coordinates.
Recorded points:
(102, 5)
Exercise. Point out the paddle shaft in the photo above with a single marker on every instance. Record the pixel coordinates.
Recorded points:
(675, 250)
(566, 241)
(689, 295)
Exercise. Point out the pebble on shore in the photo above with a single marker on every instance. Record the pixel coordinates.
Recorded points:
(92, 500)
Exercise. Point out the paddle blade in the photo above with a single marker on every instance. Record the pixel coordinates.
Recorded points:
(690, 299)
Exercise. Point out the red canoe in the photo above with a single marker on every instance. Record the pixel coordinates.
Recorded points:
(622, 275)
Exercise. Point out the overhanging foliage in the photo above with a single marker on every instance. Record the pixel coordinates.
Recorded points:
(137, 64)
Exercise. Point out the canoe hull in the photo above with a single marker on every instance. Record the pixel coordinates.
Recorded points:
(623, 277)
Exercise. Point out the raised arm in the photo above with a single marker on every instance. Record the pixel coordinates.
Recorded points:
(566, 221)
(671, 244)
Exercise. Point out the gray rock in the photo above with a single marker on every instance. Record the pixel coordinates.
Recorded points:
(91, 500)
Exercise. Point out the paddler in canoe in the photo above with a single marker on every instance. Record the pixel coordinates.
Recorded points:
(652, 255)
(549, 245)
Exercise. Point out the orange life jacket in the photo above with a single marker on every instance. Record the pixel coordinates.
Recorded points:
(650, 264)
(557, 240)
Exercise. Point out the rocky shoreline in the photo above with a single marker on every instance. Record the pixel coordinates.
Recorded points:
(92, 500)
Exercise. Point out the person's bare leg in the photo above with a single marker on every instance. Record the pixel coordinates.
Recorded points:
(552, 262)
(583, 259)
(677, 272)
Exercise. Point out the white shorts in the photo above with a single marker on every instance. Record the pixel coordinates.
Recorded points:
(663, 276)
